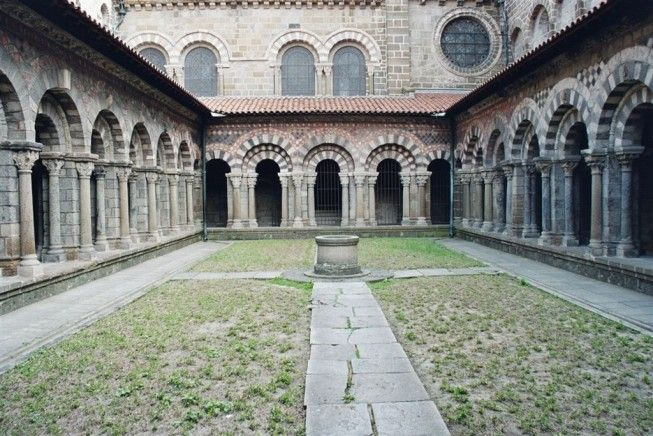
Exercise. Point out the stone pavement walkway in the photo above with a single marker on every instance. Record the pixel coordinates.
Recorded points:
(359, 380)
(631, 308)
(46, 322)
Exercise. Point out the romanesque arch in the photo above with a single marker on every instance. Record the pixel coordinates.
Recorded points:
(107, 139)
(399, 153)
(524, 118)
(184, 159)
(12, 120)
(201, 38)
(165, 153)
(140, 147)
(262, 152)
(329, 151)
(301, 37)
(360, 38)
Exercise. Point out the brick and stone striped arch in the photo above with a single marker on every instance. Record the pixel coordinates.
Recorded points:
(201, 37)
(473, 146)
(50, 127)
(221, 154)
(107, 124)
(571, 118)
(73, 132)
(495, 138)
(266, 151)
(627, 117)
(329, 151)
(152, 39)
(304, 37)
(625, 72)
(358, 37)
(408, 141)
(185, 158)
(140, 147)
(251, 140)
(523, 123)
(566, 95)
(12, 119)
(401, 154)
(339, 138)
(165, 155)
(435, 155)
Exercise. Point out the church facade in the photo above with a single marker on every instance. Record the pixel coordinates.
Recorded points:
(522, 124)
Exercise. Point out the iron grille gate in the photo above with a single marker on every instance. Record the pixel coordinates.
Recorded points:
(328, 194)
(268, 194)
(582, 194)
(439, 191)
(388, 193)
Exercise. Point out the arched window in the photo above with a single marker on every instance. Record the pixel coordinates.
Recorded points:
(349, 72)
(297, 72)
(540, 25)
(201, 72)
(155, 57)
(465, 42)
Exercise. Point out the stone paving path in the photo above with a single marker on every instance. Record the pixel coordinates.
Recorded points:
(631, 308)
(359, 380)
(46, 322)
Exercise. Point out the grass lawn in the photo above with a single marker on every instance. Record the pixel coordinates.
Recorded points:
(208, 357)
(500, 357)
(385, 253)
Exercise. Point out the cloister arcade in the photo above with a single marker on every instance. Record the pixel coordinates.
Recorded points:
(561, 174)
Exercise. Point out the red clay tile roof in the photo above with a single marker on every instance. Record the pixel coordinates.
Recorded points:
(419, 104)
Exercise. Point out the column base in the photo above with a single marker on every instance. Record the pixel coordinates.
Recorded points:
(421, 221)
(153, 237)
(529, 233)
(465, 222)
(54, 256)
(298, 222)
(569, 241)
(372, 223)
(312, 223)
(545, 238)
(360, 222)
(87, 253)
(252, 224)
(487, 226)
(626, 249)
(30, 267)
(125, 243)
(237, 224)
(405, 221)
(478, 224)
(344, 222)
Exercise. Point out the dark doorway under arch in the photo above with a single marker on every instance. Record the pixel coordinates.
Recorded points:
(582, 197)
(643, 182)
(216, 192)
(328, 194)
(39, 207)
(440, 187)
(388, 193)
(268, 194)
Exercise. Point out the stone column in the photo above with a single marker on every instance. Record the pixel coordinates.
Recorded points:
(190, 218)
(55, 250)
(626, 248)
(427, 200)
(488, 177)
(465, 180)
(371, 196)
(298, 179)
(173, 181)
(183, 210)
(508, 171)
(101, 243)
(478, 200)
(499, 202)
(544, 167)
(283, 178)
(29, 263)
(152, 220)
(405, 200)
(123, 190)
(569, 238)
(529, 204)
(133, 210)
(230, 202)
(251, 200)
(420, 180)
(86, 249)
(236, 180)
(595, 162)
(310, 184)
(344, 185)
(359, 180)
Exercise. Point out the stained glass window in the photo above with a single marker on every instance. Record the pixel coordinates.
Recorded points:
(155, 57)
(465, 42)
(297, 72)
(201, 72)
(349, 72)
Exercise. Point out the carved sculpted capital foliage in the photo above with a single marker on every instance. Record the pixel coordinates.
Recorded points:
(251, 181)
(123, 173)
(84, 169)
(359, 180)
(53, 166)
(151, 177)
(310, 181)
(297, 180)
(544, 167)
(421, 180)
(568, 167)
(236, 181)
(100, 172)
(173, 179)
(24, 160)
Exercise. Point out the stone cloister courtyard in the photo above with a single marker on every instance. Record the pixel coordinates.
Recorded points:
(211, 339)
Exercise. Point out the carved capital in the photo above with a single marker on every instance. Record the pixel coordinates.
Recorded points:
(359, 180)
(151, 177)
(297, 179)
(544, 167)
(310, 180)
(371, 179)
(53, 166)
(568, 166)
(405, 180)
(421, 179)
(99, 171)
(236, 181)
(24, 160)
(123, 173)
(251, 181)
(84, 169)
(173, 179)
(283, 178)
